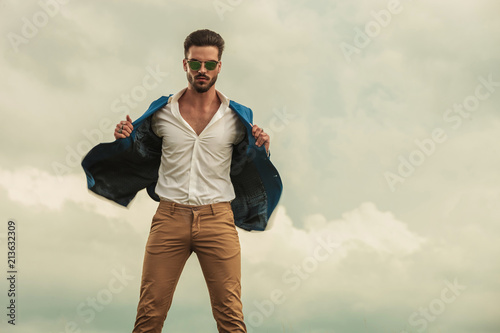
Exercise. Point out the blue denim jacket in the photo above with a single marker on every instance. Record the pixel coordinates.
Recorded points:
(118, 170)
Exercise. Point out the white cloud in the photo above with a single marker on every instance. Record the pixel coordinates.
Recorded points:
(34, 188)
(363, 227)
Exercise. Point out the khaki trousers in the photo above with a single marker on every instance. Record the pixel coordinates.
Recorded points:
(177, 231)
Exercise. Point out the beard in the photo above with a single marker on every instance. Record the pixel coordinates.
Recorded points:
(200, 86)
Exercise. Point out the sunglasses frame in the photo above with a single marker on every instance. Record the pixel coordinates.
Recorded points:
(200, 63)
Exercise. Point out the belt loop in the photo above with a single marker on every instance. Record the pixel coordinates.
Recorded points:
(213, 210)
(172, 208)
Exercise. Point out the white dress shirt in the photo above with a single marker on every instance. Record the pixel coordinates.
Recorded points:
(194, 169)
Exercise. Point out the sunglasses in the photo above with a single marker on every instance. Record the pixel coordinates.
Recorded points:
(195, 65)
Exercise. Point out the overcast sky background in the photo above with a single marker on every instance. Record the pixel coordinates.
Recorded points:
(379, 228)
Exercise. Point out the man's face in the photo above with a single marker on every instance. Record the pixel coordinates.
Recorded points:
(202, 80)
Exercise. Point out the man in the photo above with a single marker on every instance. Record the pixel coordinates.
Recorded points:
(199, 155)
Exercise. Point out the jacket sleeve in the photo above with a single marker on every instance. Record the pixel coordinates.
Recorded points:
(118, 170)
(256, 181)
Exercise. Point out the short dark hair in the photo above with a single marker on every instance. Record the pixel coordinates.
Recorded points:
(204, 37)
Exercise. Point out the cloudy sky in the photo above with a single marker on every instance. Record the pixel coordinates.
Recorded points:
(385, 130)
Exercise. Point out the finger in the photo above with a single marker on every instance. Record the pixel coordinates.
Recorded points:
(129, 123)
(127, 127)
(119, 135)
(254, 129)
(263, 139)
(259, 141)
(122, 132)
(258, 131)
(267, 141)
(126, 131)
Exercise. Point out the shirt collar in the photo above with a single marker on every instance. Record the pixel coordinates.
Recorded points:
(224, 99)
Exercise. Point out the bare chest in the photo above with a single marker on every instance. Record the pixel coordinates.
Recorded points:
(197, 120)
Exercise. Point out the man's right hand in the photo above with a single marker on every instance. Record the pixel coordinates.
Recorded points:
(124, 128)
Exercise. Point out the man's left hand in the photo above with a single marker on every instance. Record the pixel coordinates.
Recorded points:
(261, 137)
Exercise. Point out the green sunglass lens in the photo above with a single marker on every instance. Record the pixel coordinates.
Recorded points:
(194, 65)
(210, 65)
